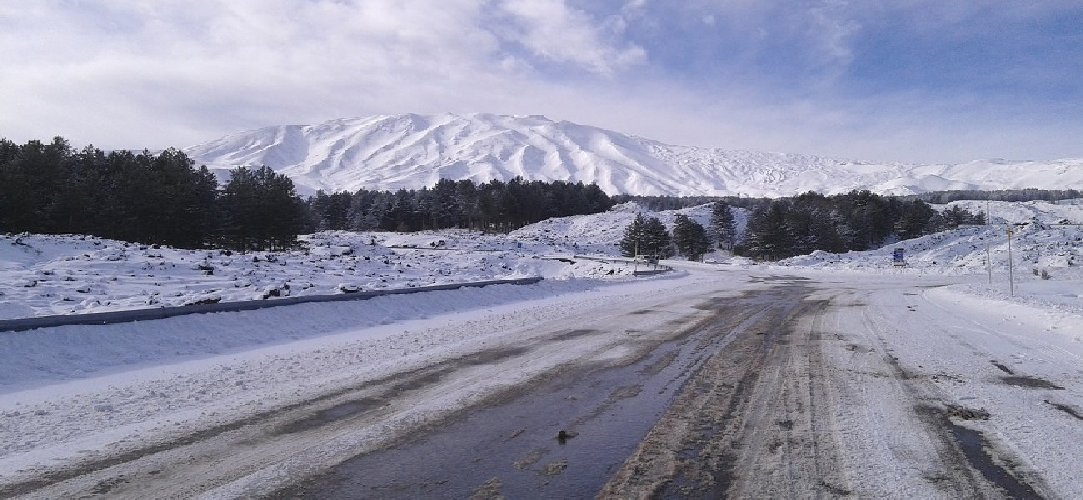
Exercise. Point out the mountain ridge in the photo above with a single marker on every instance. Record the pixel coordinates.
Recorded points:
(413, 150)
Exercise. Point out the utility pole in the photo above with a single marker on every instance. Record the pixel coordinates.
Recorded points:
(988, 254)
(635, 258)
(1011, 272)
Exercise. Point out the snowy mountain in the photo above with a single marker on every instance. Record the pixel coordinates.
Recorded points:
(412, 151)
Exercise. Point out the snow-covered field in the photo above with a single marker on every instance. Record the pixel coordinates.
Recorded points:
(44, 275)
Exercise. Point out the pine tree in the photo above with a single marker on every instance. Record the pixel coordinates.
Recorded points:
(827, 233)
(633, 240)
(690, 237)
(722, 225)
(260, 210)
(280, 217)
(656, 238)
(238, 207)
(914, 217)
(646, 235)
(767, 236)
(31, 178)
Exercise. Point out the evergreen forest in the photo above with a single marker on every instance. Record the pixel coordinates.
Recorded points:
(493, 206)
(163, 198)
(786, 227)
(858, 220)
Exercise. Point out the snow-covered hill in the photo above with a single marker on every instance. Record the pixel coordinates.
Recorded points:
(412, 151)
(602, 232)
(1039, 243)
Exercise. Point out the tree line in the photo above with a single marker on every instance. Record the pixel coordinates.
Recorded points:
(143, 197)
(943, 197)
(785, 227)
(492, 206)
(659, 203)
(656, 203)
(858, 220)
(164, 198)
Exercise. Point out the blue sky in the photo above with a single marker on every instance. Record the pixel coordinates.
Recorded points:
(904, 80)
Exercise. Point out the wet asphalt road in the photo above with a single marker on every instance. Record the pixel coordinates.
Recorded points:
(564, 437)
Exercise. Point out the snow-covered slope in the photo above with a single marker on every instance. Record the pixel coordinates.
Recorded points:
(1070, 211)
(1039, 243)
(61, 274)
(412, 151)
(602, 232)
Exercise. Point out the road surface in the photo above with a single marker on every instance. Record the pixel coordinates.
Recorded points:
(716, 384)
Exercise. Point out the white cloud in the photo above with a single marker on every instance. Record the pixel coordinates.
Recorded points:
(157, 73)
(552, 30)
(166, 72)
(832, 29)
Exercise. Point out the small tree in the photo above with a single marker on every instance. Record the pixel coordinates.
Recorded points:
(646, 235)
(690, 238)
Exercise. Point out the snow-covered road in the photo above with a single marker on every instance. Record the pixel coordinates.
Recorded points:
(126, 400)
(818, 385)
(878, 388)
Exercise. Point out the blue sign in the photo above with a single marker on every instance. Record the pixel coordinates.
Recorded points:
(897, 257)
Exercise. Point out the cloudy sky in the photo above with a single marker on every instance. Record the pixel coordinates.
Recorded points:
(906, 80)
